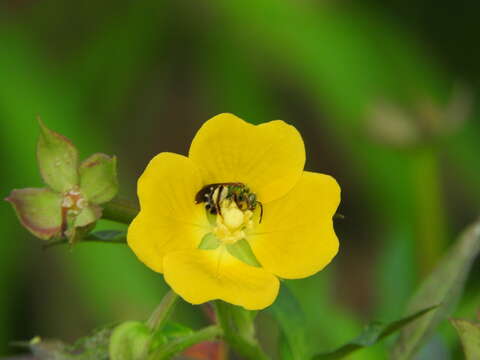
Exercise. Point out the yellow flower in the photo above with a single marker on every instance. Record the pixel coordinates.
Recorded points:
(262, 217)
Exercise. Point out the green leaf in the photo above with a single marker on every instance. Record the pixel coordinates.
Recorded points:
(98, 178)
(108, 235)
(130, 341)
(243, 252)
(209, 242)
(372, 334)
(469, 333)
(57, 160)
(291, 320)
(443, 286)
(39, 211)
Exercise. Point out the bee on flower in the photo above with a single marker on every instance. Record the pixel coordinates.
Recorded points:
(236, 215)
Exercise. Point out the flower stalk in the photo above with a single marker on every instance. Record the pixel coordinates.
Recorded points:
(431, 225)
(177, 346)
(238, 334)
(161, 314)
(120, 210)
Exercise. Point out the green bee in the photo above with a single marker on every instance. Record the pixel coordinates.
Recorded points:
(213, 194)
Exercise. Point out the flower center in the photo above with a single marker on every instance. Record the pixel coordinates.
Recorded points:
(73, 202)
(231, 222)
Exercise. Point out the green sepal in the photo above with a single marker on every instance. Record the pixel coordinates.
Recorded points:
(88, 215)
(39, 211)
(133, 340)
(174, 330)
(79, 225)
(469, 333)
(209, 242)
(98, 178)
(57, 160)
(243, 252)
(76, 234)
(130, 341)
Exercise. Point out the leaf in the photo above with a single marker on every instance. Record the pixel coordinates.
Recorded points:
(57, 160)
(469, 333)
(286, 310)
(107, 236)
(98, 178)
(372, 334)
(39, 211)
(443, 286)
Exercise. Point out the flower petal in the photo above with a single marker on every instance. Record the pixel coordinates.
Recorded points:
(39, 210)
(296, 238)
(269, 158)
(169, 219)
(199, 276)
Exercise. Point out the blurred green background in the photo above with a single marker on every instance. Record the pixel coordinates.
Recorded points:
(382, 91)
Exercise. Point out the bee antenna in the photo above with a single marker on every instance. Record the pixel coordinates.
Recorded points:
(261, 212)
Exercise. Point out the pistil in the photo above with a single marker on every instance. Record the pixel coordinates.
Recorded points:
(231, 222)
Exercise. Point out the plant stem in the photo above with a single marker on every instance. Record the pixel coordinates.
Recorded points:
(431, 219)
(120, 210)
(161, 314)
(244, 344)
(178, 345)
(53, 243)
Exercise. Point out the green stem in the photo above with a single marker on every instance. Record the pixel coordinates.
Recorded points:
(161, 314)
(122, 240)
(159, 317)
(120, 210)
(178, 345)
(244, 344)
(431, 219)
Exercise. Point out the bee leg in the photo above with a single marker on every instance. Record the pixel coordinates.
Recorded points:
(235, 200)
(261, 212)
(218, 209)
